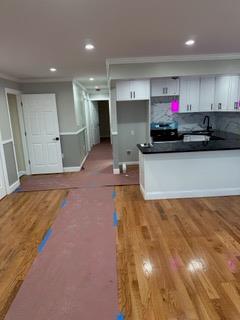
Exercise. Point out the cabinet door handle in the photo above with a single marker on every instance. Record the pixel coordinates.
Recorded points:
(211, 106)
(219, 106)
(131, 94)
(190, 107)
(134, 95)
(187, 107)
(166, 90)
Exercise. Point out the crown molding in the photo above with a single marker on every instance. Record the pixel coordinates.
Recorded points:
(199, 57)
(39, 80)
(7, 77)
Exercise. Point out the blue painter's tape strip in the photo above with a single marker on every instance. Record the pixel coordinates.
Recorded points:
(120, 316)
(115, 219)
(44, 241)
(64, 203)
(113, 194)
(18, 189)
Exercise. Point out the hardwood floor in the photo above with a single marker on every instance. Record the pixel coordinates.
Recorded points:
(24, 219)
(178, 259)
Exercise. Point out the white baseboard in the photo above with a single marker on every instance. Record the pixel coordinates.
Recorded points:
(75, 169)
(21, 173)
(13, 187)
(71, 169)
(116, 171)
(190, 194)
(81, 165)
(129, 163)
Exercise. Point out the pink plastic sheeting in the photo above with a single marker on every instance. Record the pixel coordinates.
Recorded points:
(74, 278)
(97, 172)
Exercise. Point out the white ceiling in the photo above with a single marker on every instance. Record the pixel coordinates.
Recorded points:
(38, 34)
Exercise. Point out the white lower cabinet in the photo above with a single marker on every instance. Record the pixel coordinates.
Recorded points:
(189, 94)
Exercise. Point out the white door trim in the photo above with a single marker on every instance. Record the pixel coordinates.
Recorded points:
(18, 93)
(4, 168)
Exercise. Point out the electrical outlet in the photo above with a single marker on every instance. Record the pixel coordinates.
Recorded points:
(132, 132)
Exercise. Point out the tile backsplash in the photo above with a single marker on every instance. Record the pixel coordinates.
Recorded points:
(228, 121)
(161, 112)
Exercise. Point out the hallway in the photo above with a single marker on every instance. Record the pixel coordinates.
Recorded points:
(97, 171)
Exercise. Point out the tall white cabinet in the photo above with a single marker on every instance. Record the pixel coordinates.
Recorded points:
(189, 94)
(207, 94)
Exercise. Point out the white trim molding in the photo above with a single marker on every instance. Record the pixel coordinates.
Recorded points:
(13, 187)
(221, 192)
(73, 133)
(116, 171)
(71, 169)
(7, 141)
(197, 57)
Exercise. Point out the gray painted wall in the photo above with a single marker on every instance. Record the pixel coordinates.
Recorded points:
(79, 96)
(132, 128)
(74, 149)
(10, 163)
(4, 119)
(64, 98)
(71, 117)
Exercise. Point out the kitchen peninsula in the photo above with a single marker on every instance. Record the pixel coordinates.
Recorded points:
(179, 169)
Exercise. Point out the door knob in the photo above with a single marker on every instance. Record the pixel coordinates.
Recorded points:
(56, 139)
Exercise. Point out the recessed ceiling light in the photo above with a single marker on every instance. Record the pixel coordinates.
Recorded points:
(190, 42)
(89, 46)
(91, 79)
(53, 69)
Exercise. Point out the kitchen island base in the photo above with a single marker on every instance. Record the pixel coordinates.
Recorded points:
(189, 174)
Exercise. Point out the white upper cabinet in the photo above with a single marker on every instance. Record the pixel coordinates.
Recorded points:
(164, 87)
(133, 90)
(222, 93)
(233, 101)
(123, 89)
(189, 94)
(207, 94)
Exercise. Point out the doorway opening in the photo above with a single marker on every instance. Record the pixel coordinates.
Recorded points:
(17, 131)
(104, 120)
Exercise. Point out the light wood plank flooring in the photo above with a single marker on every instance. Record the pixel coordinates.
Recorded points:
(24, 219)
(178, 259)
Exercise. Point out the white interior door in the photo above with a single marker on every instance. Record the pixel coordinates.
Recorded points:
(96, 123)
(41, 121)
(3, 190)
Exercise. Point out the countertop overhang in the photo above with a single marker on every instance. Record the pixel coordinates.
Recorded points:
(230, 141)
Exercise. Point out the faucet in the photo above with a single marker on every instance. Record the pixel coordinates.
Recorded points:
(208, 123)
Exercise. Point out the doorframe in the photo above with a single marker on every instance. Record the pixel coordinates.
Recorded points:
(4, 168)
(18, 94)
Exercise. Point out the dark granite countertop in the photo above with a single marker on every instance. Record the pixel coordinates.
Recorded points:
(227, 141)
